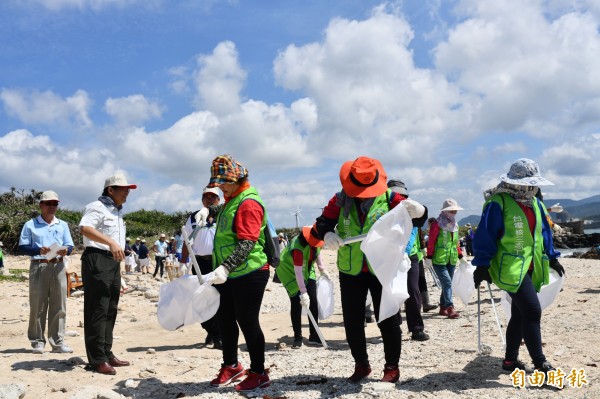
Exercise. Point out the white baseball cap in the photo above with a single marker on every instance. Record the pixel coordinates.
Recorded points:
(49, 196)
(212, 190)
(119, 180)
(163, 236)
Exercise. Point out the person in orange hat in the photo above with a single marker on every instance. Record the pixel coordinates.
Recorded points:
(364, 198)
(296, 271)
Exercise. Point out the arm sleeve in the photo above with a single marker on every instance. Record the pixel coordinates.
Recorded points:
(412, 240)
(547, 234)
(298, 259)
(434, 232)
(328, 219)
(489, 230)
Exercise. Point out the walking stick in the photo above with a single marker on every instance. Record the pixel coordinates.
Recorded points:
(316, 326)
(478, 321)
(496, 313)
(191, 254)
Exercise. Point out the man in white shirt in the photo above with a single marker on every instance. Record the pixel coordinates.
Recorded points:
(160, 250)
(103, 233)
(202, 246)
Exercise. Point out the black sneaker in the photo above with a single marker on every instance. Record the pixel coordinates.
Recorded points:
(217, 344)
(545, 367)
(420, 336)
(297, 343)
(369, 319)
(209, 340)
(512, 365)
(314, 341)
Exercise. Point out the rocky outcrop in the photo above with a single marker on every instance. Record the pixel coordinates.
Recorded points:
(572, 241)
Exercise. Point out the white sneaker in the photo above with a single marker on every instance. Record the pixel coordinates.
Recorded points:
(62, 349)
(38, 348)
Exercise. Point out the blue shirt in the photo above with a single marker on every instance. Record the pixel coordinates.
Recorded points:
(411, 240)
(36, 233)
(179, 243)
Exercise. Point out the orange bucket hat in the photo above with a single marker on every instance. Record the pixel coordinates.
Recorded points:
(312, 241)
(363, 178)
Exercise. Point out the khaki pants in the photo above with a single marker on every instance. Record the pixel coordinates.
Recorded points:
(47, 297)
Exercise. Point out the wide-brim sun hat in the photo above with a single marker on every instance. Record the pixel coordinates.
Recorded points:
(312, 241)
(363, 178)
(450, 204)
(525, 172)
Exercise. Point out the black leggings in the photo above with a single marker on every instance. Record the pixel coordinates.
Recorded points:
(296, 312)
(354, 294)
(211, 325)
(160, 262)
(241, 298)
(524, 324)
(422, 280)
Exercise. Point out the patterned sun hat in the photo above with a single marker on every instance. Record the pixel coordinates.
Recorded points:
(525, 172)
(225, 169)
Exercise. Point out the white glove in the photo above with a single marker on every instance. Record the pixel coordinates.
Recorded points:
(325, 274)
(556, 208)
(415, 210)
(209, 278)
(201, 217)
(427, 263)
(333, 241)
(304, 300)
(221, 274)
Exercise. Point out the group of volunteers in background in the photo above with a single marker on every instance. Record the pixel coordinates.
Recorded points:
(512, 248)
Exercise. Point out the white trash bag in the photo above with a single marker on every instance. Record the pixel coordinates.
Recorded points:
(184, 301)
(463, 284)
(546, 296)
(325, 297)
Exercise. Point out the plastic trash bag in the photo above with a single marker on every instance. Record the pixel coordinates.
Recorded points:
(463, 285)
(546, 296)
(325, 297)
(384, 247)
(184, 301)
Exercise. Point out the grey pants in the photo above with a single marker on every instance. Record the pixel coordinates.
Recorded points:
(47, 296)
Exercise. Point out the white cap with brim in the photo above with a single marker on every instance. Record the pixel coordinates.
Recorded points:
(49, 196)
(119, 180)
(213, 190)
(525, 172)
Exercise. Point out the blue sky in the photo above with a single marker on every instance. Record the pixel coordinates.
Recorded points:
(446, 94)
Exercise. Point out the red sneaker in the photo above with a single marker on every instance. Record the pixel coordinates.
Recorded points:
(443, 311)
(253, 381)
(360, 372)
(451, 313)
(391, 374)
(228, 374)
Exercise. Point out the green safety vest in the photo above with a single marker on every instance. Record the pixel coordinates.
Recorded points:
(350, 257)
(445, 249)
(518, 247)
(285, 270)
(226, 239)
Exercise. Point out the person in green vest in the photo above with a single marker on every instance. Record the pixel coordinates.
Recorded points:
(443, 252)
(1, 259)
(241, 271)
(296, 271)
(514, 249)
(364, 198)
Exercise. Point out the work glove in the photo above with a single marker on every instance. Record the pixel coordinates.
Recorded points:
(555, 264)
(325, 274)
(201, 217)
(333, 241)
(304, 300)
(415, 210)
(221, 274)
(556, 208)
(427, 263)
(209, 278)
(480, 274)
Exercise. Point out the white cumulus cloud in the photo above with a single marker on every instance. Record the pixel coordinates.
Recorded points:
(132, 110)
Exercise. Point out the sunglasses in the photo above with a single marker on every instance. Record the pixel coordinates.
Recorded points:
(50, 203)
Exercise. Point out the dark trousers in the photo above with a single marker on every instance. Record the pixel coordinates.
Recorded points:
(102, 284)
(241, 298)
(524, 324)
(422, 280)
(412, 305)
(160, 261)
(354, 294)
(211, 325)
(296, 312)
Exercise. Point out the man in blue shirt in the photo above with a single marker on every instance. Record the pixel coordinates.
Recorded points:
(47, 240)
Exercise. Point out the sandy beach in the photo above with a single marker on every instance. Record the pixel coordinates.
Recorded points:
(173, 364)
